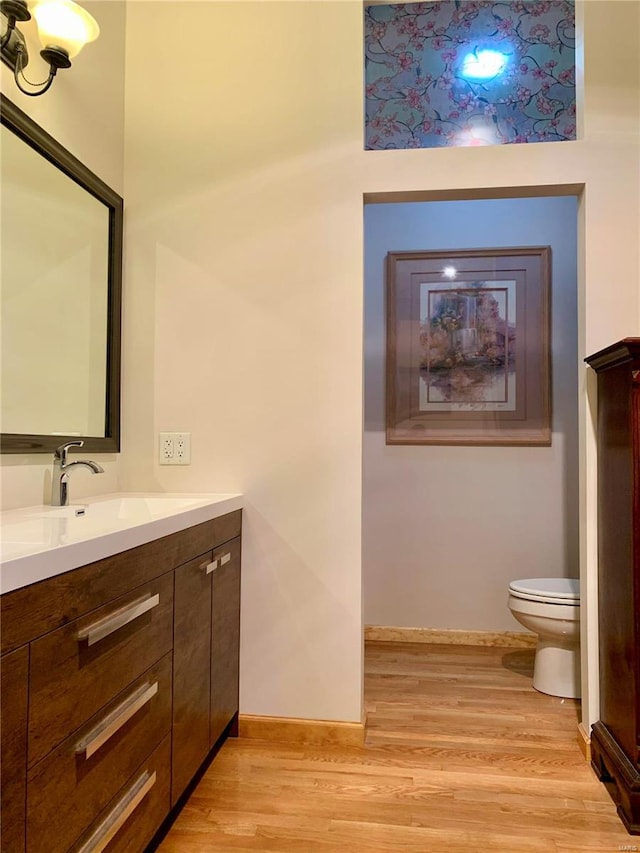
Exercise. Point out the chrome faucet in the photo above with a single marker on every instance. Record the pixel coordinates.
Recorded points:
(61, 469)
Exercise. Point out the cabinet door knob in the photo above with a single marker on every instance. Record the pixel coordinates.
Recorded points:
(109, 624)
(211, 567)
(118, 815)
(108, 726)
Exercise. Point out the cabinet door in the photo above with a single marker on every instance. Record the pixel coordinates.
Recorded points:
(225, 637)
(191, 671)
(13, 777)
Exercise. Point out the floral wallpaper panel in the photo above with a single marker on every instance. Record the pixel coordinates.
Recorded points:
(427, 86)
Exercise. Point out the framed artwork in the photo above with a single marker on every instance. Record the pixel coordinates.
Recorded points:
(468, 351)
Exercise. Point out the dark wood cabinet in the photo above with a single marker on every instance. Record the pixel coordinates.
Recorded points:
(615, 739)
(118, 678)
(14, 684)
(225, 640)
(206, 657)
(191, 672)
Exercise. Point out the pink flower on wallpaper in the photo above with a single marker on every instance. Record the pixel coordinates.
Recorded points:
(541, 31)
(389, 126)
(437, 43)
(544, 105)
(427, 125)
(413, 142)
(566, 77)
(505, 26)
(539, 73)
(466, 102)
(408, 26)
(539, 8)
(570, 130)
(378, 31)
(449, 55)
(414, 99)
(405, 60)
(371, 90)
(523, 93)
(445, 81)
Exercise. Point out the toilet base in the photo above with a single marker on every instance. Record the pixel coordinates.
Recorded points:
(557, 669)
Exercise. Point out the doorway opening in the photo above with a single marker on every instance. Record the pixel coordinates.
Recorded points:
(446, 528)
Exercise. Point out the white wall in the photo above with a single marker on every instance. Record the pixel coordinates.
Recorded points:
(84, 111)
(244, 182)
(245, 176)
(446, 528)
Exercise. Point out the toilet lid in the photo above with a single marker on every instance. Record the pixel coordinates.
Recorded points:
(548, 590)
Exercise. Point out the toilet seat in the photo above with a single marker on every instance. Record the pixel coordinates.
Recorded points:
(547, 590)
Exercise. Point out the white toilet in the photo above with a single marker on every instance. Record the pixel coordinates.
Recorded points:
(550, 607)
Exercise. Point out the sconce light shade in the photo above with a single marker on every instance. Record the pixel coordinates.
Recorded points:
(64, 28)
(65, 25)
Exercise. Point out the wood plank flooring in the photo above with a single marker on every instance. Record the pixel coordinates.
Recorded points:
(461, 755)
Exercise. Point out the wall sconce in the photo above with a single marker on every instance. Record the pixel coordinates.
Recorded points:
(63, 28)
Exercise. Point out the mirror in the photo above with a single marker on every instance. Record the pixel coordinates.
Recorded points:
(61, 273)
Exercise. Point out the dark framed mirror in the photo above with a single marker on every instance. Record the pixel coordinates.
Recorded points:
(60, 301)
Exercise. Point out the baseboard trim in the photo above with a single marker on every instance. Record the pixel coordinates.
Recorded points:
(293, 730)
(584, 742)
(511, 639)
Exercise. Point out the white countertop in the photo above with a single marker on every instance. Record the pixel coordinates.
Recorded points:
(42, 541)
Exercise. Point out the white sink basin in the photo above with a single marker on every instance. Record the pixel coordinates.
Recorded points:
(136, 508)
(42, 541)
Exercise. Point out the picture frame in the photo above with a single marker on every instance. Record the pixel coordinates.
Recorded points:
(468, 347)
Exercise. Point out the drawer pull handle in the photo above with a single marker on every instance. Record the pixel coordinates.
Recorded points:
(103, 627)
(107, 727)
(225, 559)
(211, 567)
(119, 814)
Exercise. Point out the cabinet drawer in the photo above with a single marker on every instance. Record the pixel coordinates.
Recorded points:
(69, 788)
(132, 818)
(82, 666)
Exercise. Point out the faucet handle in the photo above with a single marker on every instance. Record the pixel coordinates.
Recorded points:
(61, 452)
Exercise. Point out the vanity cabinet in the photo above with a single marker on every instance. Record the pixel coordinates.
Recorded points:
(105, 710)
(615, 739)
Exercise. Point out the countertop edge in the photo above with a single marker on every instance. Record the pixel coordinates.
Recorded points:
(25, 570)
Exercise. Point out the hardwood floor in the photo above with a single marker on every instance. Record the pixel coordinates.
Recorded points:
(461, 755)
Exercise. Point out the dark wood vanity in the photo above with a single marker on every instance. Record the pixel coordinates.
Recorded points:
(615, 739)
(119, 679)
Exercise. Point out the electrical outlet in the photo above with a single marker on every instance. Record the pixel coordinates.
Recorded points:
(166, 448)
(182, 448)
(175, 448)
